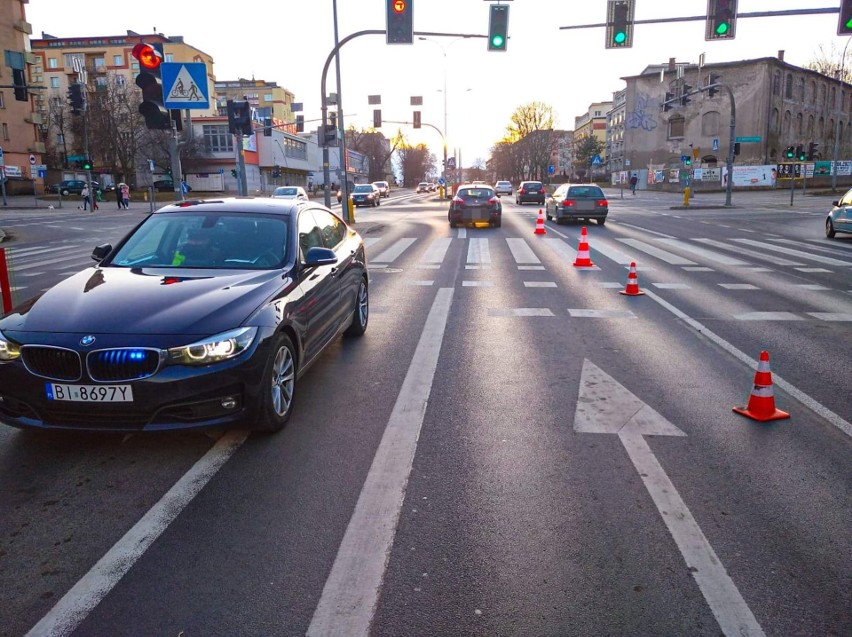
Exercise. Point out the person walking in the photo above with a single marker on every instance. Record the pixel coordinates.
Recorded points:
(96, 197)
(118, 196)
(125, 196)
(633, 181)
(85, 195)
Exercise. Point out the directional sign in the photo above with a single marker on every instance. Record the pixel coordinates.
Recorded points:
(551, 169)
(185, 85)
(606, 407)
(749, 140)
(596, 160)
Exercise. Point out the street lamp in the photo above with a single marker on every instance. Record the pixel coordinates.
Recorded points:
(444, 53)
(838, 101)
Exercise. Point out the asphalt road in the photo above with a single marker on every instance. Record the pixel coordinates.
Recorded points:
(514, 448)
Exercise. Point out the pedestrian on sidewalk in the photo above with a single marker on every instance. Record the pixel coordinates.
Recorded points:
(96, 197)
(118, 196)
(633, 181)
(125, 196)
(85, 195)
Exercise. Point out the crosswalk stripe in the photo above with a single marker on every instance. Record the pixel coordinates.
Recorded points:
(611, 253)
(774, 260)
(478, 252)
(436, 251)
(522, 252)
(565, 252)
(710, 255)
(796, 253)
(400, 246)
(668, 257)
(369, 241)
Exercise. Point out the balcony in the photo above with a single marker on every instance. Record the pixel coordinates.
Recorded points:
(34, 118)
(24, 27)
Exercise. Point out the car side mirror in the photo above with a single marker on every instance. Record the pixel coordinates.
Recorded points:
(835, 203)
(320, 256)
(100, 252)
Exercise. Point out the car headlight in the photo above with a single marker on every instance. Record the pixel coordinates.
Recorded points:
(215, 348)
(9, 351)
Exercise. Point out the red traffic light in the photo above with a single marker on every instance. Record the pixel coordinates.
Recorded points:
(149, 58)
(399, 6)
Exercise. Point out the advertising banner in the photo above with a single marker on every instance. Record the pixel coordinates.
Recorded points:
(751, 176)
(822, 168)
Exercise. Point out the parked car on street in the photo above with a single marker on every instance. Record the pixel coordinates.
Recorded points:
(290, 192)
(164, 185)
(530, 191)
(366, 195)
(384, 188)
(206, 314)
(474, 203)
(68, 187)
(503, 188)
(840, 216)
(571, 202)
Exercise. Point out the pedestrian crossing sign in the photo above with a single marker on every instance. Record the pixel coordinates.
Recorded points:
(185, 85)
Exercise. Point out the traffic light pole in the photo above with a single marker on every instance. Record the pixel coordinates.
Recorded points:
(733, 138)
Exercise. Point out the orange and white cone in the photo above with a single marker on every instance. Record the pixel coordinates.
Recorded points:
(632, 288)
(761, 402)
(583, 259)
(539, 223)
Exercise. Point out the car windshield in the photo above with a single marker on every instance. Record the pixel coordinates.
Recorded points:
(585, 191)
(363, 188)
(206, 240)
(284, 191)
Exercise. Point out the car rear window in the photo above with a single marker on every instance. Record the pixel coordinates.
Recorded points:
(533, 185)
(585, 191)
(285, 191)
(475, 193)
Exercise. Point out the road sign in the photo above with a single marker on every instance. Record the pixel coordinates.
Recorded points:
(749, 140)
(32, 160)
(596, 160)
(441, 181)
(715, 143)
(451, 162)
(2, 161)
(185, 85)
(550, 169)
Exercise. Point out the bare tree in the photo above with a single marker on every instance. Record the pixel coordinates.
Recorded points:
(831, 63)
(377, 148)
(416, 163)
(530, 117)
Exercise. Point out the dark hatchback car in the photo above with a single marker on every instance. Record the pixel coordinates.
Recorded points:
(839, 218)
(530, 191)
(473, 204)
(577, 201)
(205, 315)
(366, 195)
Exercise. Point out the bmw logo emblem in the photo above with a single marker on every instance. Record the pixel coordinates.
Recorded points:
(87, 340)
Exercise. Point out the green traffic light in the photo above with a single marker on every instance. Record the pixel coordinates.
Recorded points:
(619, 37)
(849, 23)
(722, 28)
(497, 41)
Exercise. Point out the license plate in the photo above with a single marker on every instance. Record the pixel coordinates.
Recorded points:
(90, 393)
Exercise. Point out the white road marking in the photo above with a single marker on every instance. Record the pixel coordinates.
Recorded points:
(698, 268)
(609, 314)
(645, 230)
(807, 256)
(478, 252)
(477, 284)
(539, 284)
(522, 252)
(520, 311)
(531, 267)
(710, 255)
(831, 316)
(647, 248)
(738, 286)
(671, 286)
(606, 406)
(797, 394)
(86, 594)
(810, 286)
(754, 255)
(565, 252)
(768, 316)
(477, 267)
(421, 283)
(613, 254)
(351, 592)
(369, 241)
(811, 270)
(389, 255)
(436, 251)
(611, 285)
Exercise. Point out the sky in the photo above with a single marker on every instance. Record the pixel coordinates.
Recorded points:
(289, 41)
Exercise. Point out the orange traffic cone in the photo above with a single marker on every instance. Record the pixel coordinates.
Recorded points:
(761, 403)
(539, 223)
(632, 288)
(583, 260)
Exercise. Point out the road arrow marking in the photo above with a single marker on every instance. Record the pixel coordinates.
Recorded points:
(605, 406)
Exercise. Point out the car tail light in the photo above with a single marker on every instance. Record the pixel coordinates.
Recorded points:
(458, 201)
(523, 191)
(568, 203)
(494, 201)
(602, 203)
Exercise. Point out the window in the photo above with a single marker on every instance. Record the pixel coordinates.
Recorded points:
(677, 124)
(332, 229)
(710, 123)
(120, 80)
(821, 95)
(833, 97)
(117, 60)
(5, 132)
(54, 82)
(268, 97)
(788, 86)
(821, 128)
(774, 122)
(70, 57)
(217, 139)
(776, 83)
(52, 63)
(787, 119)
(813, 92)
(799, 125)
(170, 57)
(800, 89)
(99, 64)
(810, 131)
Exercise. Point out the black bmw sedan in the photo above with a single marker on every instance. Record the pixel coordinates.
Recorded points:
(204, 315)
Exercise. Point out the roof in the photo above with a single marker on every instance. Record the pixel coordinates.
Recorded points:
(262, 205)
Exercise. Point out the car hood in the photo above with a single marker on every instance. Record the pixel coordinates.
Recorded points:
(147, 301)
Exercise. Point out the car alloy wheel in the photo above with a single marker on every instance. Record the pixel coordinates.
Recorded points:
(829, 229)
(280, 377)
(361, 313)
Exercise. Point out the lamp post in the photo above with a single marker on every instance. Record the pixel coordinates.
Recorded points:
(838, 100)
(446, 133)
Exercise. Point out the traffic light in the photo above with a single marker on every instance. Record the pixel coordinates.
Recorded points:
(712, 87)
(800, 153)
(619, 24)
(790, 153)
(76, 98)
(239, 117)
(844, 20)
(267, 127)
(684, 94)
(812, 151)
(377, 118)
(498, 27)
(667, 103)
(150, 58)
(416, 119)
(87, 164)
(721, 20)
(300, 123)
(19, 81)
(736, 148)
(688, 160)
(276, 172)
(400, 27)
(327, 135)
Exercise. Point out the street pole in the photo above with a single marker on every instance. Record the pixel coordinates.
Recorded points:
(731, 141)
(838, 107)
(341, 143)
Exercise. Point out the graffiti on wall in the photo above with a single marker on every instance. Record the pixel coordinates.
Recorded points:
(642, 116)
